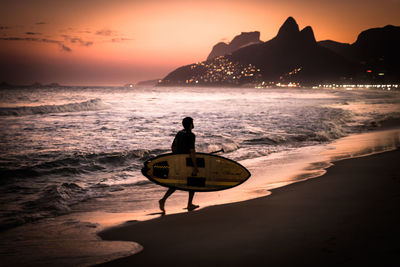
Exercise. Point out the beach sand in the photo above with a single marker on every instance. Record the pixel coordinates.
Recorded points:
(347, 217)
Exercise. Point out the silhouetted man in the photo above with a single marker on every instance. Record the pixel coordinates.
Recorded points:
(184, 143)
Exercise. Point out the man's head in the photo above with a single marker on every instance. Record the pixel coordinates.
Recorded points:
(187, 123)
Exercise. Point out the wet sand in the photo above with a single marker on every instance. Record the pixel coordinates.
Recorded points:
(347, 217)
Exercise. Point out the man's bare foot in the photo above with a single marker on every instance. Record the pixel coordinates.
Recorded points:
(161, 203)
(192, 207)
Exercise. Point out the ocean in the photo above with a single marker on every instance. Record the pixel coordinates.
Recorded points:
(70, 157)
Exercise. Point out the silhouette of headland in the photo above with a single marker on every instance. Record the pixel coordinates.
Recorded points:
(294, 55)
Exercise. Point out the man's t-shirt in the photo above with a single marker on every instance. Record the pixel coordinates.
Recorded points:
(183, 142)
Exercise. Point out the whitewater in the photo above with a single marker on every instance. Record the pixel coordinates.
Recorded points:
(71, 156)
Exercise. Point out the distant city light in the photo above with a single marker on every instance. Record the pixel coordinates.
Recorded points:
(388, 87)
(222, 70)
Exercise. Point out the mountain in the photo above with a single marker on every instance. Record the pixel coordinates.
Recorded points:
(342, 49)
(293, 49)
(242, 40)
(378, 42)
(289, 29)
(294, 56)
(375, 51)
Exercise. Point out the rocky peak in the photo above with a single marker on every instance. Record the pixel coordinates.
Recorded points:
(288, 29)
(239, 41)
(307, 35)
(244, 39)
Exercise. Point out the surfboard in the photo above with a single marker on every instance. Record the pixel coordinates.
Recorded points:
(175, 171)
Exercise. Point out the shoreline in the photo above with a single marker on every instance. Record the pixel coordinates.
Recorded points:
(300, 164)
(330, 220)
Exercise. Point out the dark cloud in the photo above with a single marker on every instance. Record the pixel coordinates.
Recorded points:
(40, 23)
(106, 32)
(118, 40)
(77, 40)
(33, 33)
(4, 28)
(80, 41)
(114, 34)
(40, 40)
(65, 48)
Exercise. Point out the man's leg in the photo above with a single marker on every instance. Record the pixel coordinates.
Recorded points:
(190, 206)
(161, 202)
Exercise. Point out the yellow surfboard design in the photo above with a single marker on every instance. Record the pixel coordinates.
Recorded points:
(175, 171)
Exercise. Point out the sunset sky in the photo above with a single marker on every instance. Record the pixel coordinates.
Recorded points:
(103, 42)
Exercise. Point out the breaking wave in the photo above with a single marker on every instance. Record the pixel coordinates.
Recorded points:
(316, 125)
(226, 145)
(57, 199)
(53, 200)
(90, 105)
(327, 132)
(79, 164)
(387, 121)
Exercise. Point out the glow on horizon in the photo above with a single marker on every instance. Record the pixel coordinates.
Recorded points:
(122, 41)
